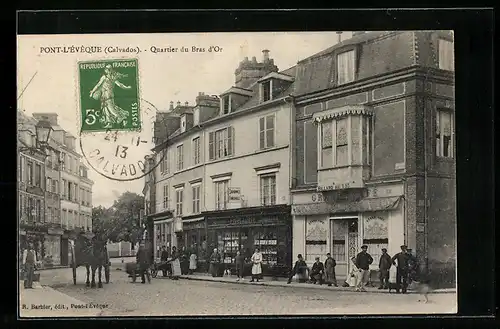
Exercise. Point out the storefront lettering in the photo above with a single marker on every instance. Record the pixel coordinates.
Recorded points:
(320, 197)
(334, 186)
(244, 221)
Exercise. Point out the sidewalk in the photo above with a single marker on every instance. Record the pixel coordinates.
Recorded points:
(282, 282)
(43, 301)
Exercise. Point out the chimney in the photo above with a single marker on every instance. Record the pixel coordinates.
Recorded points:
(339, 36)
(51, 117)
(171, 105)
(186, 104)
(265, 55)
(178, 103)
(254, 59)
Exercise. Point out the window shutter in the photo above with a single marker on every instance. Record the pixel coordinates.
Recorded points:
(230, 140)
(211, 146)
(262, 133)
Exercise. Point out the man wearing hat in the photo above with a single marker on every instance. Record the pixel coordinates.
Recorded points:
(317, 271)
(384, 265)
(363, 262)
(404, 258)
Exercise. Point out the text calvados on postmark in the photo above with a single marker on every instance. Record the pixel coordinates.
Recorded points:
(109, 95)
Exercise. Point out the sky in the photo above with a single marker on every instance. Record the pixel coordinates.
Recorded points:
(163, 76)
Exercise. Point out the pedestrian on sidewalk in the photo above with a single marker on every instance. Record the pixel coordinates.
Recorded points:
(384, 266)
(142, 259)
(299, 269)
(317, 271)
(164, 259)
(363, 262)
(176, 264)
(352, 279)
(239, 261)
(330, 264)
(403, 258)
(215, 260)
(257, 265)
(193, 259)
(29, 263)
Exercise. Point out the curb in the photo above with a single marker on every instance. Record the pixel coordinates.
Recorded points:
(438, 291)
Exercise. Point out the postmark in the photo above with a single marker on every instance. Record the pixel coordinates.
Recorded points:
(122, 155)
(109, 95)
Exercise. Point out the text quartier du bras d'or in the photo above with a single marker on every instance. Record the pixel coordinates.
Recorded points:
(134, 50)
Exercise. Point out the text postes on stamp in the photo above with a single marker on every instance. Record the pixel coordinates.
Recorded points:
(122, 155)
(109, 95)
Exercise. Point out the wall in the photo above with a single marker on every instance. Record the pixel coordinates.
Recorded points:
(299, 232)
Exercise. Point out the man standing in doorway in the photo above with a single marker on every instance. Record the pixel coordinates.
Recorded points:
(404, 258)
(363, 262)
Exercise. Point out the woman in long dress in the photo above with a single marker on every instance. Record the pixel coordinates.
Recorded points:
(192, 262)
(352, 280)
(176, 265)
(215, 260)
(257, 265)
(103, 91)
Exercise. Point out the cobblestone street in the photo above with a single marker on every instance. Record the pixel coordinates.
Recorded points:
(188, 297)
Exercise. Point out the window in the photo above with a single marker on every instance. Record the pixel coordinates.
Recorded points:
(221, 194)
(38, 210)
(266, 91)
(341, 145)
(196, 150)
(180, 157)
(63, 161)
(178, 202)
(165, 196)
(65, 189)
(49, 159)
(163, 162)
(326, 144)
(196, 199)
(221, 143)
(38, 175)
(345, 67)
(75, 191)
(70, 191)
(64, 218)
(226, 104)
(30, 172)
(268, 190)
(49, 214)
(54, 189)
(22, 174)
(266, 131)
(48, 184)
(446, 55)
(444, 133)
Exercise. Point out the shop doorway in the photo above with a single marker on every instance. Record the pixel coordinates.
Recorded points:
(344, 243)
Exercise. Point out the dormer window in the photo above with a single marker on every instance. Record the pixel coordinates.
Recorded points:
(266, 90)
(345, 67)
(226, 104)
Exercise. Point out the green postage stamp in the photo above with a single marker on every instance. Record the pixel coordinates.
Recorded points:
(109, 95)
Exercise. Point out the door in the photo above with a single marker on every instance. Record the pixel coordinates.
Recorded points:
(64, 252)
(344, 244)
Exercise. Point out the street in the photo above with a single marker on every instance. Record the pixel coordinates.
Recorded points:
(188, 297)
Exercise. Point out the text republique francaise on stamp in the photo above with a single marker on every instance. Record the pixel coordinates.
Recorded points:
(116, 124)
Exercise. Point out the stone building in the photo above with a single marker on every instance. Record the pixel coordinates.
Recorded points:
(223, 177)
(374, 150)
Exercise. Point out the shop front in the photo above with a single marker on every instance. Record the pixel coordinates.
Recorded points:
(163, 232)
(268, 228)
(339, 223)
(53, 247)
(194, 238)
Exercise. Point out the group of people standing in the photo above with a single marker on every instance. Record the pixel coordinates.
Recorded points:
(359, 276)
(216, 269)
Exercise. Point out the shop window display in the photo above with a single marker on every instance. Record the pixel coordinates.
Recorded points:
(268, 244)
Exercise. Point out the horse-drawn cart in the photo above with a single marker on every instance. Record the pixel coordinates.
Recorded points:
(91, 253)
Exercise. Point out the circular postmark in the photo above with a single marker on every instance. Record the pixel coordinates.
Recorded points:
(122, 153)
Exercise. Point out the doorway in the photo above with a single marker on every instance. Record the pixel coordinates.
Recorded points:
(344, 243)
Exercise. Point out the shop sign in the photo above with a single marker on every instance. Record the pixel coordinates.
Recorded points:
(244, 221)
(234, 194)
(193, 225)
(333, 187)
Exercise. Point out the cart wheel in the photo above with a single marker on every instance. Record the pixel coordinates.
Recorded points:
(154, 272)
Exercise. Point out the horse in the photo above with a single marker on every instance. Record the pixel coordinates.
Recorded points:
(91, 253)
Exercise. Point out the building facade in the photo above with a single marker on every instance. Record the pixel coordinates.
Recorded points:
(374, 150)
(223, 177)
(64, 191)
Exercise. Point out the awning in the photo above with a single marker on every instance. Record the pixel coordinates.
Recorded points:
(341, 112)
(365, 205)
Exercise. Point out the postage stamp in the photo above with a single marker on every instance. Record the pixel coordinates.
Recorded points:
(109, 95)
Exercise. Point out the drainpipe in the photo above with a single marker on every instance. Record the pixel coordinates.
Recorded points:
(425, 193)
(291, 159)
(405, 218)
